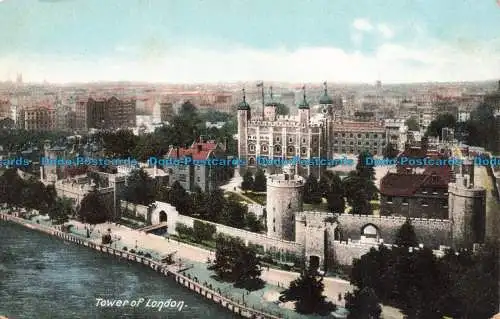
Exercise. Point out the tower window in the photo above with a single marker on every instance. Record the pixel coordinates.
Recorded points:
(304, 140)
(290, 139)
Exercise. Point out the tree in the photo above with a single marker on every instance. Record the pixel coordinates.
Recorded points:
(248, 181)
(441, 121)
(217, 203)
(307, 292)
(234, 214)
(363, 304)
(312, 193)
(224, 264)
(406, 236)
(359, 191)
(60, 210)
(363, 168)
(248, 268)
(140, 188)
(390, 151)
(179, 198)
(203, 231)
(260, 182)
(252, 223)
(412, 124)
(336, 203)
(93, 210)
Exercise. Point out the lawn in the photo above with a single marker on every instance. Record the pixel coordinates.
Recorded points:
(259, 198)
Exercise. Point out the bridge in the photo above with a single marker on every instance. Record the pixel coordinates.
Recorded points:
(150, 228)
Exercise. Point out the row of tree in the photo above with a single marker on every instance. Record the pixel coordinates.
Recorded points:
(256, 183)
(357, 189)
(479, 130)
(184, 128)
(211, 206)
(461, 284)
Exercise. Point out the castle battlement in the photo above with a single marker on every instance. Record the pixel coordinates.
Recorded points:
(285, 180)
(282, 124)
(389, 218)
(292, 118)
(460, 190)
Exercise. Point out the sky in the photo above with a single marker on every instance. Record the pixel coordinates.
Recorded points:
(192, 41)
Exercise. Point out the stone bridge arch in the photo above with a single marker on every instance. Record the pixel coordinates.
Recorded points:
(370, 232)
(164, 212)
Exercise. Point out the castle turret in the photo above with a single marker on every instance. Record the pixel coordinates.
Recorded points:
(467, 210)
(284, 199)
(243, 118)
(270, 108)
(304, 110)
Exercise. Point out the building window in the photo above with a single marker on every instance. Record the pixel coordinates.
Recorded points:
(198, 179)
(290, 139)
(445, 204)
(375, 152)
(405, 201)
(315, 139)
(182, 177)
(264, 148)
(367, 135)
(251, 161)
(350, 135)
(277, 149)
(359, 142)
(359, 135)
(274, 228)
(375, 135)
(197, 167)
(343, 134)
(343, 142)
(291, 149)
(351, 143)
(434, 192)
(304, 151)
(424, 204)
(252, 148)
(304, 140)
(277, 139)
(389, 199)
(335, 134)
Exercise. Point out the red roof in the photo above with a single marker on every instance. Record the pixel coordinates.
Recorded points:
(398, 184)
(198, 151)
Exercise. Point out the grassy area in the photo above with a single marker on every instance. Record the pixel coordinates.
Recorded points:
(259, 198)
(323, 207)
(209, 245)
(237, 198)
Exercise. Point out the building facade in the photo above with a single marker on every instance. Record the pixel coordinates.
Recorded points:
(206, 177)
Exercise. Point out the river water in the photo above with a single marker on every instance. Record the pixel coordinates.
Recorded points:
(44, 277)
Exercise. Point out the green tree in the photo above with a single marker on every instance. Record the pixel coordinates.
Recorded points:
(234, 214)
(307, 292)
(93, 210)
(179, 198)
(226, 249)
(406, 236)
(364, 168)
(363, 304)
(412, 124)
(248, 181)
(260, 181)
(60, 210)
(436, 126)
(140, 188)
(216, 207)
(203, 231)
(390, 151)
(253, 224)
(248, 269)
(312, 192)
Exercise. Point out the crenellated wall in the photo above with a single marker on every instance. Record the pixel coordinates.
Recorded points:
(430, 232)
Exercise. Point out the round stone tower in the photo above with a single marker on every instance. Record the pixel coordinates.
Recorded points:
(284, 199)
(467, 209)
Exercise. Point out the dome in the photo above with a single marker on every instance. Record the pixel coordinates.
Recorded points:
(243, 106)
(325, 99)
(304, 104)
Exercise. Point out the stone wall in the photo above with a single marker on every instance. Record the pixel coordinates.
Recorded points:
(430, 232)
(344, 253)
(257, 209)
(134, 209)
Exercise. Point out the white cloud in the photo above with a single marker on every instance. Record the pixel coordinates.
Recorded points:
(385, 30)
(362, 25)
(397, 63)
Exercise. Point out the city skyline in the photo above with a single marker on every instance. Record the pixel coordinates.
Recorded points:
(207, 42)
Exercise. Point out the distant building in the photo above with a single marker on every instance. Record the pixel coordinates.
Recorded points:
(39, 118)
(112, 113)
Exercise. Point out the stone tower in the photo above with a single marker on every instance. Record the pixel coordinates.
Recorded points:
(49, 174)
(284, 199)
(304, 110)
(467, 209)
(118, 183)
(270, 108)
(243, 118)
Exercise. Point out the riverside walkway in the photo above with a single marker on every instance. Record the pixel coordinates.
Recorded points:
(167, 270)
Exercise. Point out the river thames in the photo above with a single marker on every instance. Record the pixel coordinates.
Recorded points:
(44, 277)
